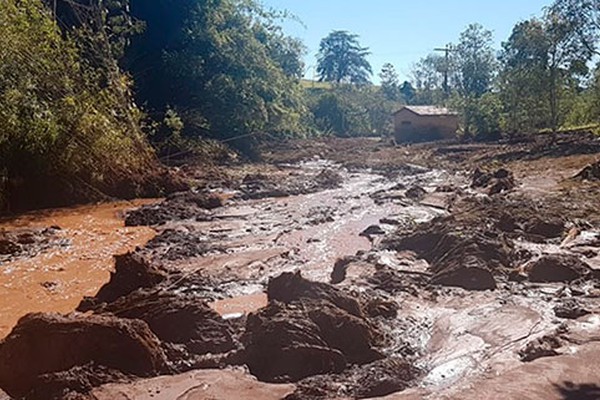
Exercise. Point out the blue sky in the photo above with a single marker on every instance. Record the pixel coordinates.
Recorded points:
(401, 32)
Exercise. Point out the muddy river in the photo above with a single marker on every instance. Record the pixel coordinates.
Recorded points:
(468, 342)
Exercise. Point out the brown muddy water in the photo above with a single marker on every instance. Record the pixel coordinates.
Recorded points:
(468, 342)
(58, 278)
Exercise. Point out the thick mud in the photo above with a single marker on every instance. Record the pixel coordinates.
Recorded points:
(325, 281)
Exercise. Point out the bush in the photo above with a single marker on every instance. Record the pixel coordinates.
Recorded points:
(68, 130)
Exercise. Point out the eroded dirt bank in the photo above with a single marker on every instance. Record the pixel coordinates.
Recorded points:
(473, 275)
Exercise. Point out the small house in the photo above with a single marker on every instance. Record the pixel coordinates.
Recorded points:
(424, 123)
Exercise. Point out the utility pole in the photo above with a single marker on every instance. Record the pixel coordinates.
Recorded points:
(447, 51)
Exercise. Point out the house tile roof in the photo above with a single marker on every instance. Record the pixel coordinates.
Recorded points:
(427, 110)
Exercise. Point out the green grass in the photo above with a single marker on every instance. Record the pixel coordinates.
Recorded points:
(310, 84)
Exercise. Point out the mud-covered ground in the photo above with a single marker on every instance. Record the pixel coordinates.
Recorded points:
(338, 269)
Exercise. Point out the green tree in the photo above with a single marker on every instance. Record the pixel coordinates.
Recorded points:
(66, 132)
(224, 66)
(341, 59)
(390, 84)
(543, 63)
(583, 19)
(475, 70)
(408, 92)
(428, 79)
(351, 110)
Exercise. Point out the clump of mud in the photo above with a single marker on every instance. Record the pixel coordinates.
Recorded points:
(458, 255)
(495, 182)
(329, 342)
(377, 379)
(44, 345)
(177, 207)
(589, 173)
(258, 186)
(29, 242)
(308, 328)
(132, 272)
(558, 268)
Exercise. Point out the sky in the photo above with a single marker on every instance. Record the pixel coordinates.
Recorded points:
(398, 31)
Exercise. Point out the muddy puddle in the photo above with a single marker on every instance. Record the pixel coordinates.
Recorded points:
(75, 263)
(235, 269)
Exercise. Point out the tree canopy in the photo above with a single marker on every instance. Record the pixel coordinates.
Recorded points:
(342, 59)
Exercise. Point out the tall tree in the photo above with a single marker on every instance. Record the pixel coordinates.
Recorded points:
(428, 79)
(342, 59)
(583, 19)
(224, 66)
(389, 82)
(476, 61)
(475, 69)
(544, 59)
(408, 92)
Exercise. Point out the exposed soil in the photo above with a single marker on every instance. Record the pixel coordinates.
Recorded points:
(340, 269)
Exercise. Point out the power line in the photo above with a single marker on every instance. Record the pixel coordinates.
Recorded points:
(447, 49)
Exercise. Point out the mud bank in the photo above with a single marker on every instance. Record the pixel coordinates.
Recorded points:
(331, 283)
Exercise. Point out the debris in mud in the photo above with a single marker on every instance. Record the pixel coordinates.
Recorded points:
(173, 244)
(177, 318)
(261, 186)
(542, 347)
(43, 344)
(9, 247)
(495, 182)
(570, 309)
(338, 274)
(551, 228)
(289, 342)
(29, 242)
(557, 268)
(372, 230)
(589, 173)
(320, 215)
(378, 379)
(416, 193)
(132, 272)
(392, 281)
(329, 179)
(458, 255)
(177, 207)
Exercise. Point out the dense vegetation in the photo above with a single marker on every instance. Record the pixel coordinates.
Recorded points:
(92, 90)
(67, 126)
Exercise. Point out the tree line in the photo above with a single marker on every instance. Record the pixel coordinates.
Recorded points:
(542, 79)
(94, 92)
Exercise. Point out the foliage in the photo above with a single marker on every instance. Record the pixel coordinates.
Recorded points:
(428, 79)
(341, 59)
(348, 110)
(224, 66)
(65, 129)
(390, 84)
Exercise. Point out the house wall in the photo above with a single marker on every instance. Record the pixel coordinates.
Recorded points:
(410, 127)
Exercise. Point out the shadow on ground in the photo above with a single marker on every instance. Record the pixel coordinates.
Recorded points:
(585, 391)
